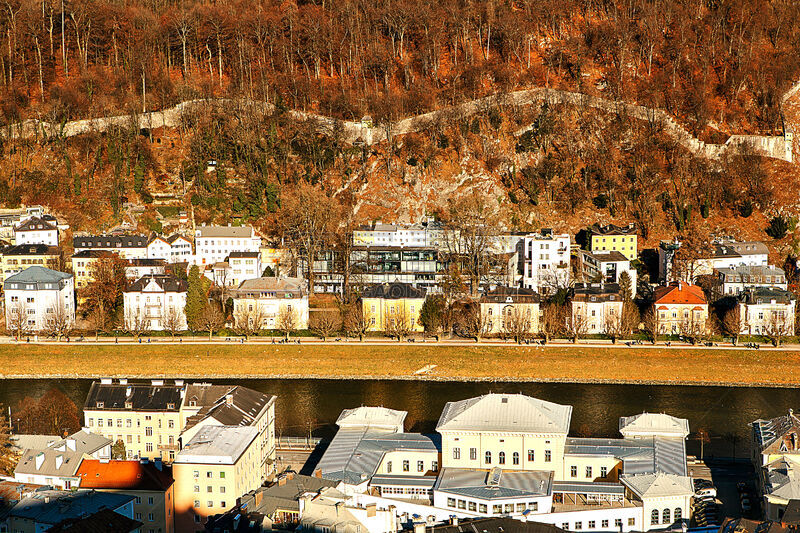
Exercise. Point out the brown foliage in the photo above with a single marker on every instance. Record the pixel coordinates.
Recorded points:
(54, 413)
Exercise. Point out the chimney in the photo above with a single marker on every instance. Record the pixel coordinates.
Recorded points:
(229, 399)
(71, 444)
(39, 460)
(372, 510)
(123, 381)
(318, 473)
(157, 463)
(419, 528)
(282, 481)
(47, 499)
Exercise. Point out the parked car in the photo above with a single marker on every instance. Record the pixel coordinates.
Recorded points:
(707, 491)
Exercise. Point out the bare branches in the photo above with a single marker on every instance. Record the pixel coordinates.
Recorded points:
(288, 320)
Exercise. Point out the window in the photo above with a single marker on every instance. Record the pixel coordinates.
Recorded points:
(578, 526)
(482, 508)
(150, 517)
(435, 466)
(208, 488)
(420, 466)
(665, 515)
(388, 467)
(150, 500)
(531, 455)
(654, 517)
(547, 456)
(406, 466)
(473, 506)
(497, 509)
(222, 504)
(632, 521)
(209, 475)
(591, 524)
(533, 506)
(573, 471)
(451, 502)
(488, 458)
(197, 503)
(589, 472)
(604, 524)
(501, 458)
(473, 454)
(196, 473)
(148, 432)
(509, 508)
(197, 488)
(210, 503)
(222, 489)
(149, 446)
(618, 523)
(462, 504)
(515, 458)
(603, 471)
(222, 475)
(138, 500)
(678, 513)
(138, 516)
(456, 453)
(520, 507)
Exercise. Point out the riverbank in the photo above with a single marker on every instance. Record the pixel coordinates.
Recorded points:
(578, 364)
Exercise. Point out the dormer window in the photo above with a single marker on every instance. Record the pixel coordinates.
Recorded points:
(128, 405)
(192, 403)
(170, 406)
(100, 405)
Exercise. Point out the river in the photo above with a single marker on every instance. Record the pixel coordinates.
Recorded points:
(311, 405)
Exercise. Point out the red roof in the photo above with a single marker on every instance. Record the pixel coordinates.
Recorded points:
(130, 475)
(680, 293)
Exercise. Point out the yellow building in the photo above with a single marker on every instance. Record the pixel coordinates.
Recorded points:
(613, 238)
(217, 466)
(681, 309)
(393, 307)
(84, 265)
(15, 259)
(508, 309)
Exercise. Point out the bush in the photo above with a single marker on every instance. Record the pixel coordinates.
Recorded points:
(780, 225)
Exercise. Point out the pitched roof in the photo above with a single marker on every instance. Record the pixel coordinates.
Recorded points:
(225, 231)
(217, 445)
(140, 396)
(393, 291)
(31, 249)
(172, 238)
(658, 485)
(63, 457)
(610, 257)
(762, 295)
(228, 405)
(54, 506)
(38, 274)
(165, 282)
(272, 284)
(93, 254)
(109, 241)
(102, 521)
(679, 293)
(372, 417)
(778, 435)
(237, 255)
(653, 424)
(512, 295)
(613, 229)
(514, 413)
(494, 525)
(128, 475)
(36, 224)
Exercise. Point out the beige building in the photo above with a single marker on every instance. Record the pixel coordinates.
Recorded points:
(150, 483)
(767, 311)
(266, 300)
(506, 308)
(84, 264)
(15, 259)
(393, 307)
(681, 309)
(510, 431)
(217, 466)
(596, 308)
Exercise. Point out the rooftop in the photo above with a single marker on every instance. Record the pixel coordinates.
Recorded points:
(511, 295)
(38, 274)
(128, 475)
(31, 249)
(779, 434)
(241, 232)
(514, 413)
(36, 224)
(102, 521)
(109, 241)
(273, 284)
(679, 293)
(658, 485)
(393, 291)
(217, 445)
(372, 417)
(495, 483)
(494, 525)
(61, 458)
(54, 506)
(228, 405)
(613, 229)
(163, 282)
(653, 424)
(133, 397)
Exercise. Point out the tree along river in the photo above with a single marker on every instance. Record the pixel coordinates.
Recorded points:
(312, 405)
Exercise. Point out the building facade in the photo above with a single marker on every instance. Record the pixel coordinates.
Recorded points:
(509, 308)
(15, 259)
(156, 303)
(767, 311)
(37, 230)
(680, 309)
(39, 299)
(735, 280)
(269, 300)
(546, 262)
(613, 238)
(126, 246)
(393, 307)
(215, 243)
(596, 308)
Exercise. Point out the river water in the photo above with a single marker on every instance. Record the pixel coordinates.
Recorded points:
(311, 406)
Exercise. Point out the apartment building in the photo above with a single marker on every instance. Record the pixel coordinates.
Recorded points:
(37, 230)
(149, 483)
(428, 233)
(767, 311)
(722, 253)
(84, 264)
(265, 300)
(214, 468)
(171, 249)
(507, 307)
(606, 267)
(44, 510)
(156, 303)
(126, 246)
(237, 268)
(546, 261)
(735, 280)
(140, 268)
(38, 299)
(144, 417)
(15, 259)
(613, 238)
(681, 309)
(596, 308)
(215, 243)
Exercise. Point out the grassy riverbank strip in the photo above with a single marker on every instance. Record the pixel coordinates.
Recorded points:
(404, 361)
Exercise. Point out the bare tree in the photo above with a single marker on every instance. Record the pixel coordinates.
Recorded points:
(136, 323)
(576, 324)
(288, 320)
(211, 319)
(777, 327)
(325, 322)
(652, 324)
(357, 320)
(517, 324)
(476, 322)
(553, 320)
(58, 322)
(396, 324)
(248, 319)
(731, 323)
(173, 321)
(17, 319)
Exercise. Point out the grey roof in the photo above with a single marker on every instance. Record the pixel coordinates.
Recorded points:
(253, 287)
(613, 229)
(109, 241)
(53, 506)
(225, 231)
(93, 254)
(776, 433)
(494, 525)
(403, 481)
(393, 291)
(143, 262)
(354, 454)
(217, 445)
(511, 294)
(140, 396)
(751, 270)
(229, 405)
(658, 485)
(38, 274)
(32, 442)
(282, 494)
(515, 413)
(764, 295)
(36, 224)
(372, 417)
(588, 487)
(102, 521)
(31, 249)
(236, 255)
(610, 291)
(165, 282)
(63, 457)
(495, 483)
(651, 424)
(781, 480)
(610, 257)
(639, 456)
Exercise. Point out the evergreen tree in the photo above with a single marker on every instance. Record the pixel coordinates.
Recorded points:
(196, 297)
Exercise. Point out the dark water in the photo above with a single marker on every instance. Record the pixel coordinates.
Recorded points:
(308, 405)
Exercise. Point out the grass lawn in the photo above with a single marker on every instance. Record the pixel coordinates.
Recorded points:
(617, 364)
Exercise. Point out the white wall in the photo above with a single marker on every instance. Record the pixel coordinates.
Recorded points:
(48, 237)
(38, 304)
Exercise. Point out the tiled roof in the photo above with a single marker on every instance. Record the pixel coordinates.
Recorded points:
(515, 294)
(128, 475)
(505, 413)
(243, 408)
(109, 241)
(141, 396)
(679, 293)
(165, 282)
(658, 485)
(225, 231)
(54, 506)
(36, 224)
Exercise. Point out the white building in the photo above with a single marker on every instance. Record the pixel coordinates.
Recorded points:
(736, 280)
(173, 249)
(155, 303)
(266, 299)
(214, 244)
(546, 261)
(127, 246)
(37, 230)
(244, 266)
(158, 248)
(426, 234)
(57, 464)
(607, 267)
(723, 253)
(767, 311)
(596, 308)
(331, 510)
(44, 297)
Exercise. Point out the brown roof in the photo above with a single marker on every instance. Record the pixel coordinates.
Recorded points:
(103, 521)
(680, 293)
(129, 475)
